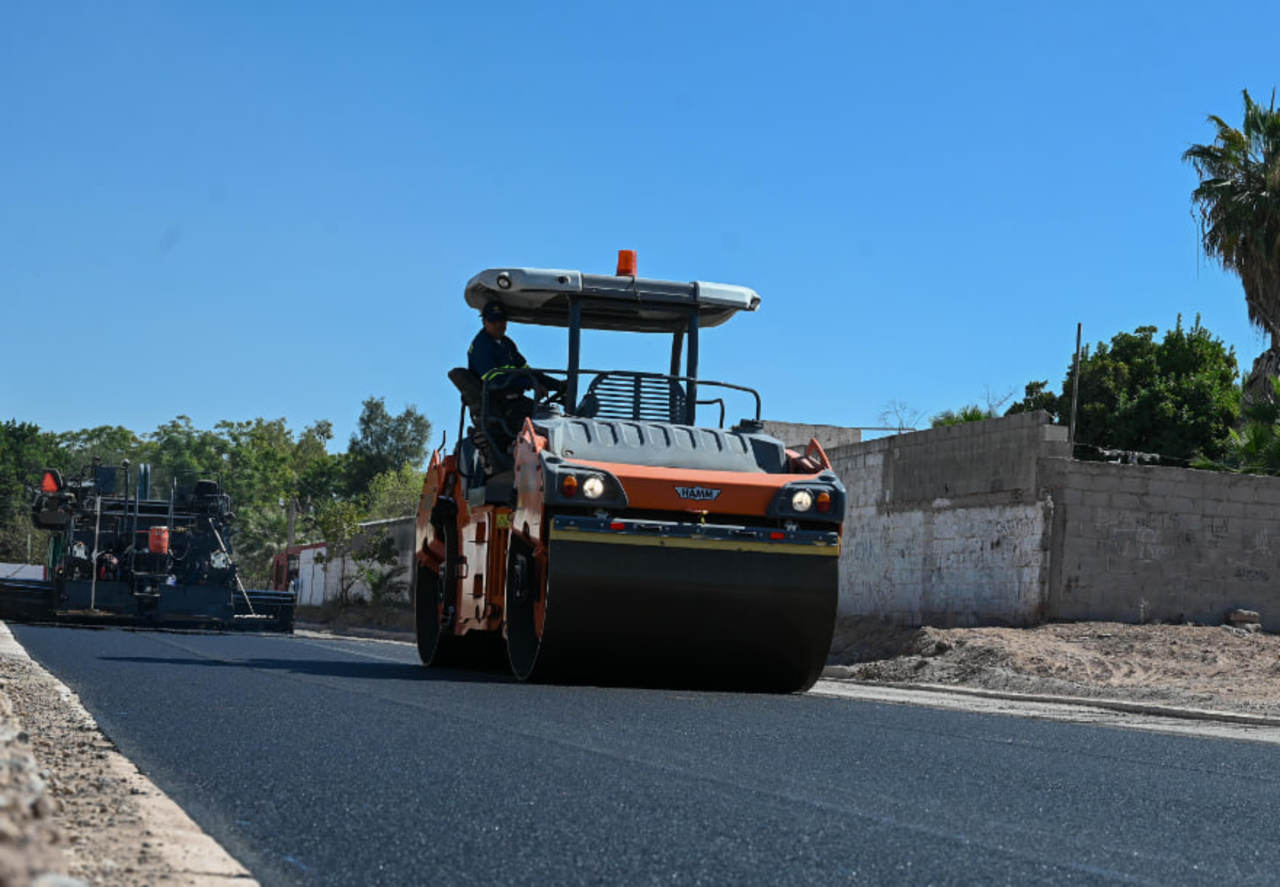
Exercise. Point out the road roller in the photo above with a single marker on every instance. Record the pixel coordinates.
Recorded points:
(597, 532)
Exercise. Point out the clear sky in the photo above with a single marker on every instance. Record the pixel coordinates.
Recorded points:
(232, 210)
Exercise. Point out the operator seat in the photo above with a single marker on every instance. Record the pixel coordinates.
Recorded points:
(491, 438)
(470, 387)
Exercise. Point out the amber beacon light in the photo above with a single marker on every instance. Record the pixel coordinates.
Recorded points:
(626, 263)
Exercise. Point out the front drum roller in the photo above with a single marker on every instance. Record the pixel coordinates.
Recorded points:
(715, 617)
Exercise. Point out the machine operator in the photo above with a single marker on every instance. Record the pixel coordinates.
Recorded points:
(494, 358)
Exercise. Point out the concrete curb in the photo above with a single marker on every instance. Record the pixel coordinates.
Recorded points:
(193, 857)
(1120, 705)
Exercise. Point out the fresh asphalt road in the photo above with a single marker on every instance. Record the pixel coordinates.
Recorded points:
(345, 762)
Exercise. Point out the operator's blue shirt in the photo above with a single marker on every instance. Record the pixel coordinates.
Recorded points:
(489, 358)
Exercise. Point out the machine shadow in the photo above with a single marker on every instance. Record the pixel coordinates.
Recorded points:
(393, 671)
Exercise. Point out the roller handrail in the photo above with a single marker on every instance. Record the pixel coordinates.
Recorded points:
(635, 374)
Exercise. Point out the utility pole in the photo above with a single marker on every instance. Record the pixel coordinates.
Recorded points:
(1075, 392)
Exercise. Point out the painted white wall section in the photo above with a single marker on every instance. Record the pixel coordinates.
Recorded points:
(948, 526)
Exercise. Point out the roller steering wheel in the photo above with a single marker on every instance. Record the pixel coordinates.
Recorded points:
(552, 395)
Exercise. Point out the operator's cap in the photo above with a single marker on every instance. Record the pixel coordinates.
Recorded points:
(494, 311)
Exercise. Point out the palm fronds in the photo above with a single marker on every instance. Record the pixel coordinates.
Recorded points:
(1238, 202)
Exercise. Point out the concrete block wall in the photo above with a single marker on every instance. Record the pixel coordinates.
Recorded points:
(949, 526)
(993, 523)
(796, 435)
(1139, 542)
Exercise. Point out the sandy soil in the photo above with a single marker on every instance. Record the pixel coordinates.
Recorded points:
(1214, 667)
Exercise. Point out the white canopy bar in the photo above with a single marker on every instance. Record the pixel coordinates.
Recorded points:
(631, 304)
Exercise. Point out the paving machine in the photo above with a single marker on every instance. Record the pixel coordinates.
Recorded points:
(116, 557)
(600, 533)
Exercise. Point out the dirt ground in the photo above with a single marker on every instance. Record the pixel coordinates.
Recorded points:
(358, 615)
(1197, 666)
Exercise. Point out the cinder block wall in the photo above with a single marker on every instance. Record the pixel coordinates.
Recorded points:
(1136, 542)
(949, 526)
(797, 435)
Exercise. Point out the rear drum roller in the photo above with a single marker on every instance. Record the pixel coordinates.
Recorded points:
(434, 611)
(428, 614)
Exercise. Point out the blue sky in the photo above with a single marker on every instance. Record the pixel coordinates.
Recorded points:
(270, 209)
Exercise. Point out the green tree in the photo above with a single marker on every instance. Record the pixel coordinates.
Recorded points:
(1238, 200)
(384, 442)
(1254, 448)
(395, 493)
(110, 443)
(259, 461)
(316, 473)
(1037, 396)
(179, 451)
(260, 532)
(24, 450)
(271, 472)
(1176, 397)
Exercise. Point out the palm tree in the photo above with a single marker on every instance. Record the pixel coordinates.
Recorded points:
(1238, 200)
(1254, 448)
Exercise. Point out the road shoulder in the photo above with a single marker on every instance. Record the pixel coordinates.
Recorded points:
(108, 823)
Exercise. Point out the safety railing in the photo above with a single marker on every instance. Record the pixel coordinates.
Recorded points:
(652, 396)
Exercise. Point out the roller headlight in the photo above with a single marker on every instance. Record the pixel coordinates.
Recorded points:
(801, 500)
(581, 485)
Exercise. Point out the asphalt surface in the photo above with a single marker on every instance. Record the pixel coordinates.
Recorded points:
(344, 762)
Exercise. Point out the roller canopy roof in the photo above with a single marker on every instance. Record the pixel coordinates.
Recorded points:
(631, 304)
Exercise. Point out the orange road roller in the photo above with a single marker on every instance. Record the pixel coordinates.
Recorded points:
(597, 533)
